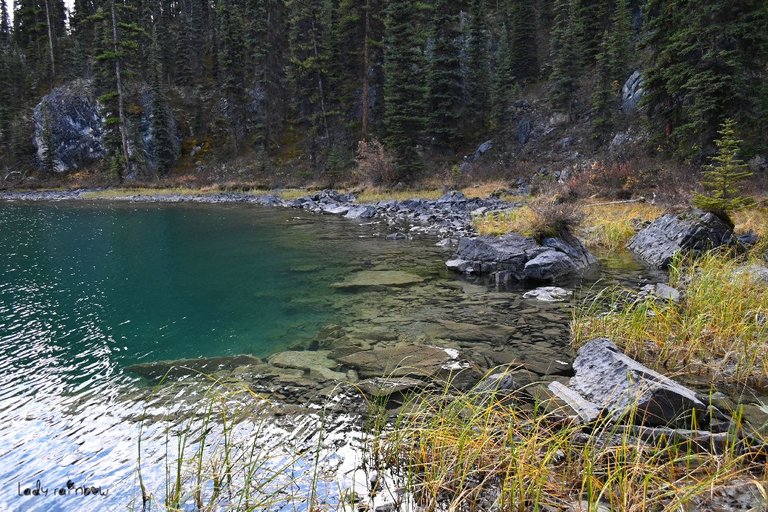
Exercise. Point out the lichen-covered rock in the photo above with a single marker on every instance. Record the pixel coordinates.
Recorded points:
(69, 117)
(693, 232)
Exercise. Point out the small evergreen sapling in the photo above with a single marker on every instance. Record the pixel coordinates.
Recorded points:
(722, 178)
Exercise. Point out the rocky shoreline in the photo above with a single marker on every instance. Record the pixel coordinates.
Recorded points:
(449, 216)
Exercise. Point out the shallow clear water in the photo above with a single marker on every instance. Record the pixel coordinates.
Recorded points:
(88, 289)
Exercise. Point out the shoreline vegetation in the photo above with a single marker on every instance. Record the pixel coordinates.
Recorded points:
(467, 450)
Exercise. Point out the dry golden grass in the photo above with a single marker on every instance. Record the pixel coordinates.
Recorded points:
(718, 330)
(523, 220)
(610, 226)
(539, 218)
(373, 195)
(752, 219)
(112, 193)
(467, 452)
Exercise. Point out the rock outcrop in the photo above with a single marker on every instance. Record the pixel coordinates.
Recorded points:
(693, 232)
(70, 120)
(513, 257)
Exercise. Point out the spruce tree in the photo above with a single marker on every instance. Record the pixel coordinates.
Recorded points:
(569, 54)
(724, 175)
(445, 99)
(611, 70)
(523, 48)
(164, 153)
(117, 47)
(5, 26)
(357, 61)
(232, 54)
(309, 77)
(504, 90)
(478, 75)
(403, 88)
(703, 62)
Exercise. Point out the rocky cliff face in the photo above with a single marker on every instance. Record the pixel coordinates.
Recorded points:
(69, 118)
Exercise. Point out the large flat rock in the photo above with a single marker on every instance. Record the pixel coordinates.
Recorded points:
(416, 361)
(378, 278)
(608, 382)
(183, 367)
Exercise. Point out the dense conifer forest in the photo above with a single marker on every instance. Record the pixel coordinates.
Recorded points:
(297, 84)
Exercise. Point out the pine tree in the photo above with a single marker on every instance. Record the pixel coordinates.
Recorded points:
(164, 153)
(232, 55)
(445, 98)
(523, 48)
(309, 77)
(703, 62)
(504, 90)
(569, 50)
(478, 75)
(724, 175)
(403, 89)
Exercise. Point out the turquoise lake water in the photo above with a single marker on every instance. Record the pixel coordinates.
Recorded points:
(88, 289)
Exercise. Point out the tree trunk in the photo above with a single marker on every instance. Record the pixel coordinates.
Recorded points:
(50, 43)
(366, 66)
(120, 98)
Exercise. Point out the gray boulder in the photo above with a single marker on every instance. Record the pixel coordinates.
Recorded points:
(361, 212)
(513, 257)
(693, 232)
(548, 294)
(608, 382)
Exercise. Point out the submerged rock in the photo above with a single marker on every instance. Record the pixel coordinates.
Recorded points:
(379, 387)
(378, 278)
(693, 232)
(414, 361)
(608, 382)
(183, 367)
(661, 291)
(514, 257)
(548, 294)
